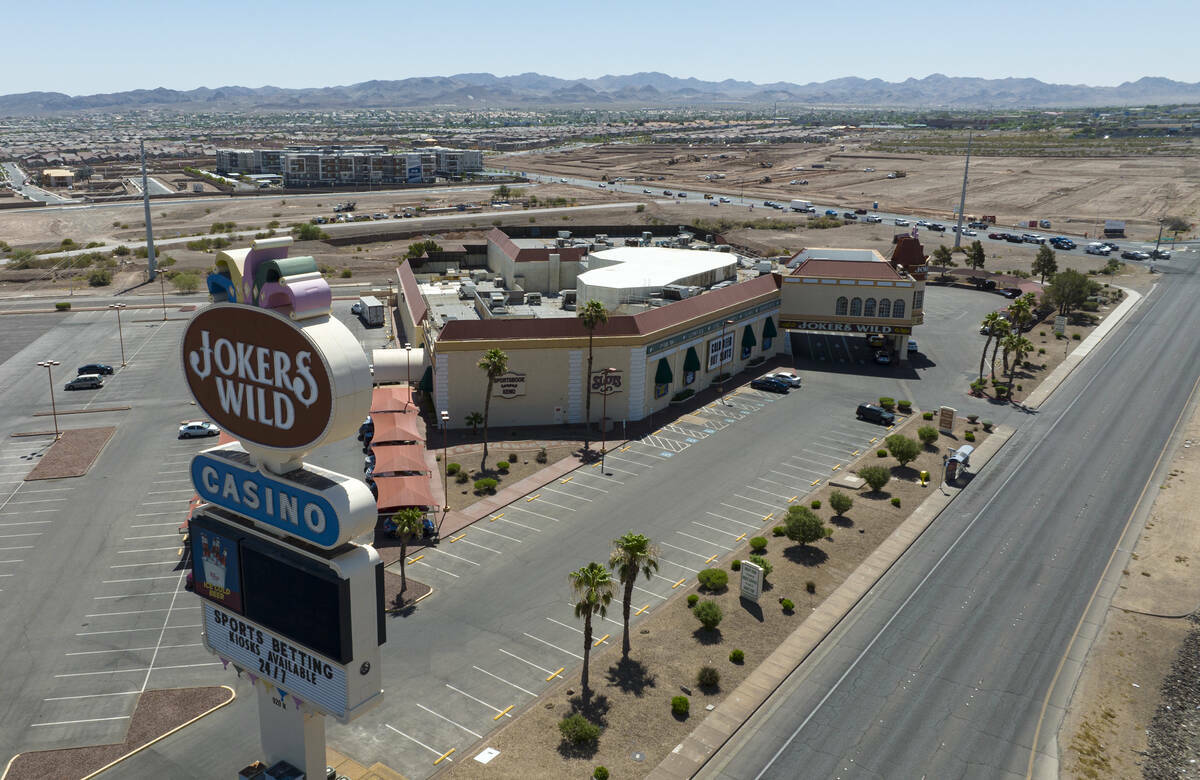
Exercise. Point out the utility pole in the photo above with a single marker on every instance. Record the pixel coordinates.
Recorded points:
(1158, 240)
(962, 201)
(150, 264)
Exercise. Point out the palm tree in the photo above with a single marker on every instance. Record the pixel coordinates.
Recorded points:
(1001, 329)
(494, 363)
(989, 325)
(632, 554)
(1019, 347)
(592, 314)
(593, 589)
(474, 419)
(406, 523)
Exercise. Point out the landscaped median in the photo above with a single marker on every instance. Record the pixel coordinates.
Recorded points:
(708, 646)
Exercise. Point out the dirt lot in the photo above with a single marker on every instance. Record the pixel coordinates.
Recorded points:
(632, 699)
(1071, 192)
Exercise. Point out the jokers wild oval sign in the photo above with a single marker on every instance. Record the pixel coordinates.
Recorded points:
(258, 376)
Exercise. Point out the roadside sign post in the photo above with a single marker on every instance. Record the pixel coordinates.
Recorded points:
(291, 587)
(752, 581)
(946, 416)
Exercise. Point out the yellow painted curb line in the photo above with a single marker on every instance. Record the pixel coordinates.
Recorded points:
(710, 560)
(643, 609)
(676, 585)
(740, 538)
(497, 517)
(601, 640)
(565, 481)
(503, 713)
(556, 674)
(444, 756)
(414, 560)
(532, 498)
(159, 738)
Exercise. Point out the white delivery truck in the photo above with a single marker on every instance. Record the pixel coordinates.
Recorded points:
(370, 310)
(802, 206)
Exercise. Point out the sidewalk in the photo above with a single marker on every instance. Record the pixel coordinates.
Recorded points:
(690, 756)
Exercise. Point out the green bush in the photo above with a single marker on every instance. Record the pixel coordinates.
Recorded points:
(347, 273)
(815, 504)
(969, 436)
(679, 706)
(895, 501)
(763, 564)
(1041, 350)
(735, 564)
(926, 415)
(987, 425)
(462, 478)
(876, 476)
(972, 418)
(513, 457)
(640, 208)
(927, 434)
(186, 282)
(810, 586)
(708, 677)
(578, 730)
(881, 453)
(904, 406)
(600, 773)
(902, 448)
(502, 465)
(100, 278)
(887, 403)
(453, 468)
(485, 485)
(803, 526)
(840, 502)
(787, 604)
(778, 531)
(736, 656)
(692, 599)
(758, 544)
(709, 614)
(713, 579)
(121, 251)
(63, 306)
(1074, 337)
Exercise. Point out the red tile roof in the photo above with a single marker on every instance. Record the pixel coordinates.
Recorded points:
(520, 254)
(846, 269)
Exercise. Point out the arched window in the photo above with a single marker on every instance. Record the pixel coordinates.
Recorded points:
(870, 310)
(885, 307)
(898, 308)
(841, 307)
(856, 307)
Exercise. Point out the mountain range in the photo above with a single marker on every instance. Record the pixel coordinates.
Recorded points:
(638, 90)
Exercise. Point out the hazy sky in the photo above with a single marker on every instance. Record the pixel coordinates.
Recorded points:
(117, 45)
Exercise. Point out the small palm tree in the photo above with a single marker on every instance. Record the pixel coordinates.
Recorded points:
(593, 589)
(592, 314)
(1018, 346)
(495, 364)
(632, 554)
(407, 523)
(474, 419)
(1001, 329)
(989, 323)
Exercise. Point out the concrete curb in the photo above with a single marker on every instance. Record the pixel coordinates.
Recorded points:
(1064, 369)
(690, 755)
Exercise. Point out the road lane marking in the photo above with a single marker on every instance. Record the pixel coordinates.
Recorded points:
(73, 722)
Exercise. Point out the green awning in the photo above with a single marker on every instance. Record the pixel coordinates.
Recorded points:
(663, 375)
(426, 383)
(748, 339)
(769, 329)
(691, 361)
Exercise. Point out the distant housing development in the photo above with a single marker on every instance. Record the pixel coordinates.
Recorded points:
(323, 166)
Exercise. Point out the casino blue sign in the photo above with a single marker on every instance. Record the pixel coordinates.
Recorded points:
(268, 499)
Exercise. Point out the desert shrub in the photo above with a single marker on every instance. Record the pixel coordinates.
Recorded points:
(810, 586)
(121, 251)
(1041, 350)
(640, 208)
(736, 656)
(778, 531)
(100, 278)
(816, 503)
(758, 544)
(969, 436)
(735, 565)
(713, 579)
(1075, 337)
(709, 614)
(903, 449)
(692, 599)
(787, 604)
(63, 306)
(987, 425)
(502, 465)
(887, 403)
(186, 282)
(972, 418)
(895, 501)
(881, 453)
(926, 415)
(462, 478)
(708, 677)
(904, 406)
(453, 468)
(578, 730)
(876, 476)
(600, 773)
(840, 502)
(514, 457)
(347, 273)
(803, 526)
(679, 706)
(927, 434)
(485, 485)
(763, 564)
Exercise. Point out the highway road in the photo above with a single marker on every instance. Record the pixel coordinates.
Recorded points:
(943, 669)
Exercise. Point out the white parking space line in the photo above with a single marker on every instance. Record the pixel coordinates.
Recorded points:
(431, 566)
(769, 504)
(452, 555)
(19, 560)
(608, 467)
(37, 501)
(148, 549)
(452, 723)
(551, 644)
(170, 492)
(26, 522)
(736, 522)
(92, 696)
(157, 525)
(559, 506)
(589, 487)
(147, 563)
(22, 547)
(139, 611)
(175, 471)
(85, 720)
(14, 536)
(419, 742)
(649, 592)
(135, 595)
(809, 472)
(680, 565)
(511, 507)
(176, 501)
(522, 525)
(701, 556)
(564, 625)
(130, 630)
(522, 660)
(767, 492)
(835, 452)
(565, 493)
(180, 481)
(47, 490)
(713, 528)
(481, 529)
(480, 546)
(506, 682)
(152, 536)
(142, 669)
(496, 710)
(819, 463)
(738, 508)
(140, 579)
(699, 539)
(28, 512)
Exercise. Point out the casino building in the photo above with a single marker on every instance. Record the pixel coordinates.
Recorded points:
(679, 321)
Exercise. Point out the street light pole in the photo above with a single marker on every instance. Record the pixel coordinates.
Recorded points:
(445, 492)
(162, 287)
(604, 415)
(120, 335)
(49, 366)
(407, 373)
(721, 351)
(1158, 241)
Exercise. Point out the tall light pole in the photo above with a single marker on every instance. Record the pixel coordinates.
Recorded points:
(162, 288)
(962, 201)
(120, 334)
(1158, 241)
(445, 492)
(49, 366)
(151, 265)
(605, 372)
(407, 372)
(721, 383)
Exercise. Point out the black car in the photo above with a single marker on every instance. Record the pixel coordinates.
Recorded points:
(937, 227)
(1160, 254)
(95, 368)
(875, 414)
(769, 384)
(1013, 238)
(849, 215)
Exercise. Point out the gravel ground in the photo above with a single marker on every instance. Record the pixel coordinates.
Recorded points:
(73, 454)
(1173, 739)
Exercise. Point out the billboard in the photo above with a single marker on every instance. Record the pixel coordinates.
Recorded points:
(216, 567)
(414, 174)
(720, 351)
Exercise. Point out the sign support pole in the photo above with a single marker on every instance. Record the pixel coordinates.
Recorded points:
(291, 733)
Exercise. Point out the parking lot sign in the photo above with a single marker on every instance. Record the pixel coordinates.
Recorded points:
(752, 581)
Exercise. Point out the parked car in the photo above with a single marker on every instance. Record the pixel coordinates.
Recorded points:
(787, 377)
(198, 429)
(356, 308)
(1062, 242)
(769, 384)
(667, 192)
(912, 346)
(683, 194)
(882, 357)
(1131, 254)
(969, 232)
(1013, 238)
(922, 223)
(85, 382)
(95, 368)
(830, 213)
(978, 224)
(724, 200)
(860, 211)
(902, 222)
(1111, 246)
(645, 191)
(875, 414)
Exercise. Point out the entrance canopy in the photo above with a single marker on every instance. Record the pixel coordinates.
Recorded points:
(397, 426)
(398, 492)
(391, 398)
(390, 458)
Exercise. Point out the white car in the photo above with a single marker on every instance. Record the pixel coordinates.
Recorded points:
(198, 428)
(645, 192)
(562, 181)
(902, 222)
(787, 377)
(724, 200)
(969, 232)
